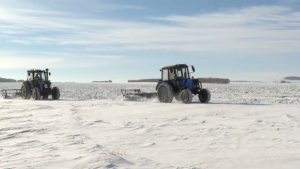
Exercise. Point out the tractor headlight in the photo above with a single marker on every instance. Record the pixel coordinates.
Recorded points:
(47, 86)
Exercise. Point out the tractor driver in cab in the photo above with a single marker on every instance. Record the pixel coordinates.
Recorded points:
(38, 76)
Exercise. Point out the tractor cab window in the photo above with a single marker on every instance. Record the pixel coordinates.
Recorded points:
(165, 74)
(172, 74)
(40, 76)
(29, 77)
(182, 72)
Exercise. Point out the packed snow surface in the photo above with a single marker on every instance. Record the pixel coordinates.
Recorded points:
(246, 125)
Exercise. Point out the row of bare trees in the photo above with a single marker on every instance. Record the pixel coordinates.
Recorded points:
(9, 80)
(144, 80)
(214, 80)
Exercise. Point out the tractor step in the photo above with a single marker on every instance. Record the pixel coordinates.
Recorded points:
(13, 92)
(128, 93)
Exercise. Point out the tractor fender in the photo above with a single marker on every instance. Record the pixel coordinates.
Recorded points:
(158, 83)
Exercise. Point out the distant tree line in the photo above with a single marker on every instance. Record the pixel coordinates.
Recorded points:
(292, 78)
(214, 80)
(202, 80)
(144, 80)
(9, 80)
(102, 81)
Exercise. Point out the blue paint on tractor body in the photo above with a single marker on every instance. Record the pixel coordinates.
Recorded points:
(188, 84)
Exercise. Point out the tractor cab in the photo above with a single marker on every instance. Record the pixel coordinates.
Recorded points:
(39, 78)
(37, 75)
(178, 76)
(175, 72)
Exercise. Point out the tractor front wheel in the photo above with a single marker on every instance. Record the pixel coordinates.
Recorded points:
(36, 94)
(186, 96)
(55, 93)
(165, 93)
(204, 96)
(25, 91)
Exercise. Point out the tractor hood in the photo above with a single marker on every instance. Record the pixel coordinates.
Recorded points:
(45, 82)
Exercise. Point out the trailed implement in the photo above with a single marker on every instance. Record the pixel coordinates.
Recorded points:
(10, 93)
(133, 93)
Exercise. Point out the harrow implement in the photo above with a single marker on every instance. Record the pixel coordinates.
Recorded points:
(129, 93)
(7, 93)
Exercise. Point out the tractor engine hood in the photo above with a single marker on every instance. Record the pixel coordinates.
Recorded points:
(46, 82)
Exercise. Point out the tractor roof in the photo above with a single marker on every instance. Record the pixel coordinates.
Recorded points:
(35, 70)
(172, 66)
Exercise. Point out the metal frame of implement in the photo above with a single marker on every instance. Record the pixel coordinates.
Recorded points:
(137, 92)
(5, 92)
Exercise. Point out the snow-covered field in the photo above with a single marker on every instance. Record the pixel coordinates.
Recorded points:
(246, 125)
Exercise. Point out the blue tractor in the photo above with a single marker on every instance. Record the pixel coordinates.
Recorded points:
(176, 82)
(38, 86)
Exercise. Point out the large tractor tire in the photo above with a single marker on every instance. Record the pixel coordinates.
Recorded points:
(36, 94)
(165, 93)
(186, 96)
(25, 91)
(204, 96)
(55, 93)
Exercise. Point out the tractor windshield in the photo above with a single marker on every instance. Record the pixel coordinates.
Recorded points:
(40, 76)
(182, 72)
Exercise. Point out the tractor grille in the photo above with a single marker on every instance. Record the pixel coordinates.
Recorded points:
(196, 84)
(47, 86)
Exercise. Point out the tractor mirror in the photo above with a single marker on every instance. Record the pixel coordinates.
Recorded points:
(193, 68)
(49, 74)
(160, 70)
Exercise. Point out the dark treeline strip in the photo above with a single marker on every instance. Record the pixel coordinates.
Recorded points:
(9, 80)
(202, 80)
(214, 80)
(144, 80)
(292, 78)
(102, 81)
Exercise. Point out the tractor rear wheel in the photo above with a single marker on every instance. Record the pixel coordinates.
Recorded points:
(25, 91)
(204, 96)
(186, 96)
(55, 93)
(165, 93)
(36, 94)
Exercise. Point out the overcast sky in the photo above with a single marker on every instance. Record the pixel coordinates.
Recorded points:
(82, 41)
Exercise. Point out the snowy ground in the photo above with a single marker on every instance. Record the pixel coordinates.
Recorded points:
(245, 126)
